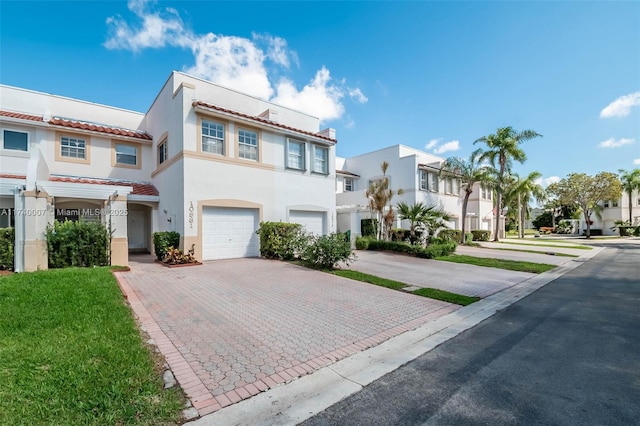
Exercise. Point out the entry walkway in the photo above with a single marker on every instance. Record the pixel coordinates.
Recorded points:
(231, 329)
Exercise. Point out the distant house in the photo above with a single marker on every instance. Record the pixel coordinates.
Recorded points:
(417, 173)
(206, 161)
(615, 210)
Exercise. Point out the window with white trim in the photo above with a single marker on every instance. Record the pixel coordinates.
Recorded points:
(614, 203)
(486, 192)
(17, 141)
(212, 137)
(295, 154)
(248, 144)
(429, 181)
(163, 151)
(320, 159)
(348, 185)
(126, 154)
(73, 147)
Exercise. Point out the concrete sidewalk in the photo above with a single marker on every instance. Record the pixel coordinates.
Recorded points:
(303, 398)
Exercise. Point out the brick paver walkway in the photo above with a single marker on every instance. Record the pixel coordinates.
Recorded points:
(230, 329)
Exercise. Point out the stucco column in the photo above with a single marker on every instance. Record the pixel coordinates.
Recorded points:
(189, 238)
(115, 217)
(36, 214)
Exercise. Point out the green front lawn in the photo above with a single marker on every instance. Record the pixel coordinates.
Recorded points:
(512, 265)
(549, 243)
(70, 353)
(431, 293)
(554, 253)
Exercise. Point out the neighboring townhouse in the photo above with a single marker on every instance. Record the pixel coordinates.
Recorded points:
(417, 173)
(206, 161)
(615, 210)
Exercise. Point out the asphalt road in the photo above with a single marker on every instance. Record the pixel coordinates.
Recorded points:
(568, 354)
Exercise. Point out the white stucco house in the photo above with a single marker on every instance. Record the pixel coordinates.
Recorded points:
(615, 210)
(206, 161)
(415, 172)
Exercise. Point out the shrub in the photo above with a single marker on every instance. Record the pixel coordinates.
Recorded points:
(174, 256)
(480, 235)
(362, 243)
(77, 244)
(326, 251)
(436, 250)
(636, 232)
(468, 237)
(163, 241)
(279, 240)
(369, 227)
(7, 242)
(450, 234)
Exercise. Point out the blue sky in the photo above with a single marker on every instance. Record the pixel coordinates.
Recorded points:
(431, 75)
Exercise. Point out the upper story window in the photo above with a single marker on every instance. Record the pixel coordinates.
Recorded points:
(212, 137)
(486, 192)
(320, 159)
(295, 154)
(73, 147)
(429, 181)
(609, 203)
(126, 154)
(452, 186)
(348, 185)
(163, 153)
(18, 141)
(248, 144)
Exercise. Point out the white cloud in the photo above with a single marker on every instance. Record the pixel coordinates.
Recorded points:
(621, 107)
(547, 181)
(447, 146)
(432, 143)
(636, 161)
(249, 65)
(615, 143)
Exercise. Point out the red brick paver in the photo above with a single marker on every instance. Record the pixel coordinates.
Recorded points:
(231, 329)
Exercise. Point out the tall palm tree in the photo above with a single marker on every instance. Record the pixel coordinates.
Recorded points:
(469, 172)
(503, 147)
(630, 182)
(520, 191)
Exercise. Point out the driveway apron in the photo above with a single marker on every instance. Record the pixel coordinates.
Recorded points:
(230, 329)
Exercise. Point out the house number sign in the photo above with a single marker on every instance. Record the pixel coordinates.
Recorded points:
(191, 214)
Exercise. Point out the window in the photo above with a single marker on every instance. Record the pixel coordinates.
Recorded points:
(448, 186)
(614, 204)
(295, 155)
(248, 144)
(456, 186)
(212, 137)
(73, 147)
(348, 184)
(126, 154)
(18, 141)
(320, 159)
(7, 217)
(163, 151)
(486, 192)
(606, 204)
(429, 181)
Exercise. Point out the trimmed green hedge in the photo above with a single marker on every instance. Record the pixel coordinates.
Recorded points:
(163, 241)
(450, 234)
(77, 244)
(369, 227)
(7, 242)
(480, 235)
(438, 247)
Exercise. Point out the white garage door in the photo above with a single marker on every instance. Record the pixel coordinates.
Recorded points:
(312, 221)
(229, 233)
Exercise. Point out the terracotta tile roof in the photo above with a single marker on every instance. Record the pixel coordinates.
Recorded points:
(20, 116)
(139, 188)
(75, 124)
(344, 172)
(7, 176)
(261, 120)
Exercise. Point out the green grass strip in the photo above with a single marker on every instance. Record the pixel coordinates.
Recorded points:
(431, 293)
(555, 253)
(550, 244)
(70, 353)
(512, 265)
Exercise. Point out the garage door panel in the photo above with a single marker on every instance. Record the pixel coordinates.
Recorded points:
(312, 221)
(229, 233)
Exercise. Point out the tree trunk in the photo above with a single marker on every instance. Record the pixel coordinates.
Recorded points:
(587, 219)
(497, 227)
(464, 214)
(520, 224)
(630, 208)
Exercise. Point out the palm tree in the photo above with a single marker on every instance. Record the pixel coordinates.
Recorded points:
(503, 148)
(379, 195)
(630, 182)
(469, 172)
(520, 191)
(420, 215)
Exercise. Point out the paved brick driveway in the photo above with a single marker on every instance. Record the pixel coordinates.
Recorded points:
(230, 329)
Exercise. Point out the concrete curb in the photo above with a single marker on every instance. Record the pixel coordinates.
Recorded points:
(299, 400)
